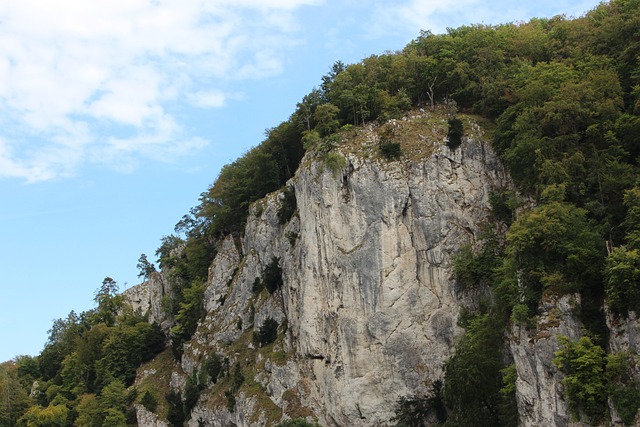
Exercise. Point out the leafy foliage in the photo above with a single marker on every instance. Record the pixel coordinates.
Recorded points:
(623, 280)
(190, 312)
(624, 389)
(390, 150)
(288, 205)
(213, 366)
(335, 162)
(473, 379)
(455, 133)
(14, 399)
(149, 401)
(84, 370)
(267, 333)
(417, 411)
(146, 268)
(478, 268)
(272, 276)
(176, 415)
(583, 362)
(622, 272)
(554, 248)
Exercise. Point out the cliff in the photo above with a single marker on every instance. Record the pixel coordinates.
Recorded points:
(367, 310)
(368, 307)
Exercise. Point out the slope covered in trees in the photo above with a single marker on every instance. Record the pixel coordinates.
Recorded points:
(565, 98)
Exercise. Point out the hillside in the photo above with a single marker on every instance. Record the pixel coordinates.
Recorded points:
(445, 235)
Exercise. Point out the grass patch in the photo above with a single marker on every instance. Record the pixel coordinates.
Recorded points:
(418, 136)
(279, 358)
(157, 382)
(270, 410)
(294, 408)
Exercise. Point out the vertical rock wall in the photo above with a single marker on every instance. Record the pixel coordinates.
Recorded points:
(368, 309)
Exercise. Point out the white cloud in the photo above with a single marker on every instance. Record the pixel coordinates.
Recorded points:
(208, 99)
(73, 69)
(437, 15)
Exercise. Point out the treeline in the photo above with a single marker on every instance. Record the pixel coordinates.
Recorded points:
(83, 375)
(565, 95)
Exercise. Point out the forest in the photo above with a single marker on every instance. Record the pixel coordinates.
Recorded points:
(564, 97)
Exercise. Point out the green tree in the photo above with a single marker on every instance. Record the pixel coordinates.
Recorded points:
(326, 119)
(61, 342)
(14, 399)
(585, 390)
(114, 418)
(473, 379)
(127, 347)
(113, 397)
(622, 281)
(89, 412)
(554, 247)
(108, 301)
(190, 312)
(146, 268)
(272, 277)
(624, 389)
(51, 416)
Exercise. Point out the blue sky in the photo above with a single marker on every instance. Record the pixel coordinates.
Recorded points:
(116, 114)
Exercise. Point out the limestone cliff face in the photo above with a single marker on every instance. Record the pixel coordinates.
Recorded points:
(368, 309)
(368, 299)
(370, 294)
(147, 298)
(539, 388)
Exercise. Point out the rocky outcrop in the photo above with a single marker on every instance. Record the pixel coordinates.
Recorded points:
(368, 296)
(147, 418)
(367, 306)
(538, 386)
(147, 298)
(367, 310)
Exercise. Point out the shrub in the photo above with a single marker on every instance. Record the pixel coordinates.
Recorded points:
(335, 162)
(455, 133)
(476, 269)
(149, 401)
(583, 362)
(390, 150)
(237, 379)
(267, 333)
(231, 401)
(473, 379)
(257, 286)
(273, 276)
(622, 279)
(176, 415)
(623, 388)
(288, 206)
(503, 205)
(213, 367)
(192, 391)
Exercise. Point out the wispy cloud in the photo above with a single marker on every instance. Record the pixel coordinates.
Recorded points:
(74, 71)
(438, 15)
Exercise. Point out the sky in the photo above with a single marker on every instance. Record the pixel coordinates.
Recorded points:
(116, 114)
